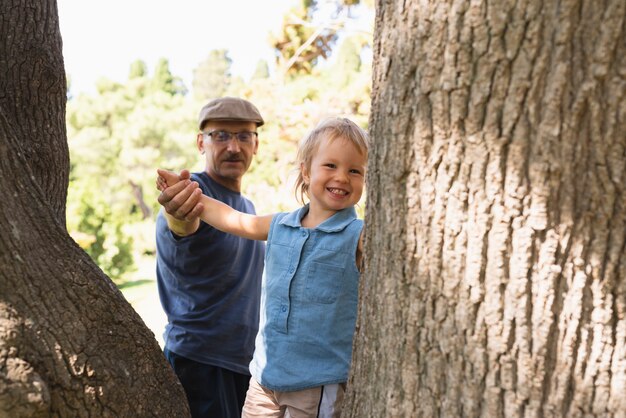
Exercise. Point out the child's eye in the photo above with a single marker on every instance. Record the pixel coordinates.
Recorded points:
(355, 171)
(330, 165)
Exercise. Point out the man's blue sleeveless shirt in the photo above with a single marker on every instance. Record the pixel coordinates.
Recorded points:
(308, 302)
(209, 284)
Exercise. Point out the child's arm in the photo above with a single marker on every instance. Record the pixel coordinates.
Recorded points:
(222, 216)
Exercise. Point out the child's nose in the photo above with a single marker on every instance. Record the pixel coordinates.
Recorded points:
(342, 177)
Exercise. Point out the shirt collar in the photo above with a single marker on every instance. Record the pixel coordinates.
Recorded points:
(335, 223)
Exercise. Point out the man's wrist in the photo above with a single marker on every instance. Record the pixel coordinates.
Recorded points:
(181, 227)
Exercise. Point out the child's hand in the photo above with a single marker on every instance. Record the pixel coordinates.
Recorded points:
(167, 178)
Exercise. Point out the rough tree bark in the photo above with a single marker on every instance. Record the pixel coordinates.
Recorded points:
(496, 215)
(70, 345)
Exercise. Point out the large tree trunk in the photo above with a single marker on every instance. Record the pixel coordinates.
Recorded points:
(496, 216)
(70, 345)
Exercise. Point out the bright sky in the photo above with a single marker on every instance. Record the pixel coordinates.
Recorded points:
(102, 38)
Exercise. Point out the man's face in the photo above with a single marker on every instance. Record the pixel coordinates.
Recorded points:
(227, 162)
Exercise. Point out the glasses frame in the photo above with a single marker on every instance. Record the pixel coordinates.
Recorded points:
(231, 135)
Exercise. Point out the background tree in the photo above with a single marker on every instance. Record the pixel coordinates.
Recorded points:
(212, 77)
(138, 69)
(261, 70)
(163, 79)
(117, 137)
(70, 345)
(301, 43)
(496, 217)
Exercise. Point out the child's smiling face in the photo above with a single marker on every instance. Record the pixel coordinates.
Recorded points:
(336, 175)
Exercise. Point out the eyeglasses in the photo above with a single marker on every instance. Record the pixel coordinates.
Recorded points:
(222, 137)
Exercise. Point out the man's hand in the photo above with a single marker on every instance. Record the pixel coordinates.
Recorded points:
(180, 198)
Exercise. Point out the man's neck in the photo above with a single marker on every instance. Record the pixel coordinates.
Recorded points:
(229, 183)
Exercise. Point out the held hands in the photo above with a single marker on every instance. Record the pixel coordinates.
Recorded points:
(168, 178)
(180, 197)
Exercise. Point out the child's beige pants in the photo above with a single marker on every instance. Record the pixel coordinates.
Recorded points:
(322, 402)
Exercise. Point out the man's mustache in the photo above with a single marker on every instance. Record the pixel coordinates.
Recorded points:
(234, 157)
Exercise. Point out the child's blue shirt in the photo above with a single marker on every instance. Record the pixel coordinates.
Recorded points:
(308, 302)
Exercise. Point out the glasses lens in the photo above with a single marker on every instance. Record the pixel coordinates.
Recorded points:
(224, 136)
(245, 136)
(220, 136)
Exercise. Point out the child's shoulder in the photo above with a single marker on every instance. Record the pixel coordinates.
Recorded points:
(279, 216)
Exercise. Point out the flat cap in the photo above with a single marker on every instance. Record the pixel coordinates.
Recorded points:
(229, 108)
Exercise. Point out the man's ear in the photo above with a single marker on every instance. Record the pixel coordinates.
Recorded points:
(256, 145)
(200, 142)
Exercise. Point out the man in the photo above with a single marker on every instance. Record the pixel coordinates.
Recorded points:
(209, 282)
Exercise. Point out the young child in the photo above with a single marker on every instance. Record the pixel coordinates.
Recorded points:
(309, 290)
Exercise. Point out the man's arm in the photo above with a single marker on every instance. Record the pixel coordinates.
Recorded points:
(216, 213)
(181, 204)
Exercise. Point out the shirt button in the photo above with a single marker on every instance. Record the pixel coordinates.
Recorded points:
(304, 233)
(283, 308)
(291, 269)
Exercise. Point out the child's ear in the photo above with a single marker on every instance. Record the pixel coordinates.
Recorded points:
(305, 173)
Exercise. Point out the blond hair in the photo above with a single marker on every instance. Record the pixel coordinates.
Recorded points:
(330, 129)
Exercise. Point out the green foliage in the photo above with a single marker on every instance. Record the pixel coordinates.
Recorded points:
(138, 69)
(212, 76)
(163, 79)
(106, 242)
(262, 70)
(300, 44)
(347, 63)
(310, 31)
(117, 138)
